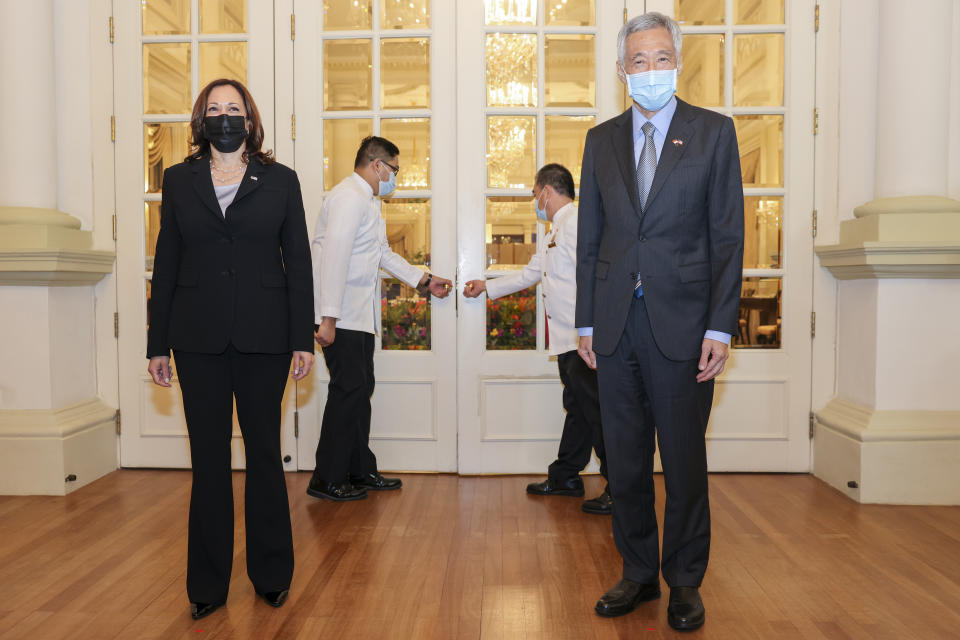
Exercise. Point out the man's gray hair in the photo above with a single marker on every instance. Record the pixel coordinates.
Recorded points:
(645, 22)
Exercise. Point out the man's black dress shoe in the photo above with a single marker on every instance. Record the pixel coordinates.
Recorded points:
(275, 598)
(342, 492)
(602, 505)
(625, 596)
(376, 482)
(202, 609)
(685, 611)
(550, 487)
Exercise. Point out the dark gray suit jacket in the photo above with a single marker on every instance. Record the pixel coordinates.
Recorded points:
(687, 245)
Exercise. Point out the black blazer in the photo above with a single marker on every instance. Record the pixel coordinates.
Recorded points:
(687, 245)
(245, 279)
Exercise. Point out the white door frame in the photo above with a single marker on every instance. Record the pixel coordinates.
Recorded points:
(511, 412)
(413, 427)
(760, 417)
(154, 431)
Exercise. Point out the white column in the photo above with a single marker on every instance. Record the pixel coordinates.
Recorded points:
(55, 433)
(892, 432)
(28, 109)
(913, 97)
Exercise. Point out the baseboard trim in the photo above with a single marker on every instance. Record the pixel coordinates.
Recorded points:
(888, 457)
(56, 451)
(866, 424)
(54, 423)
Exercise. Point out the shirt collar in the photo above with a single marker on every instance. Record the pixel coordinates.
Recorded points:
(661, 119)
(561, 213)
(362, 184)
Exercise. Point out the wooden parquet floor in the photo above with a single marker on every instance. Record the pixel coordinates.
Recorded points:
(449, 557)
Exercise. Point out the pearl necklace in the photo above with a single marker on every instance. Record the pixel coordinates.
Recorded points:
(226, 175)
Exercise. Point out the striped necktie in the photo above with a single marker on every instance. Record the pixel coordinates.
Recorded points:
(646, 168)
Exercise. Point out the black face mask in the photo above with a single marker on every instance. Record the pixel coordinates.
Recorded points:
(225, 132)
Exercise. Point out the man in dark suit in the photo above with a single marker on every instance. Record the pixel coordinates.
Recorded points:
(659, 265)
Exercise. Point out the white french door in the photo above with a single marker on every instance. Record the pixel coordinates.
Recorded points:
(477, 95)
(382, 67)
(543, 74)
(751, 61)
(164, 54)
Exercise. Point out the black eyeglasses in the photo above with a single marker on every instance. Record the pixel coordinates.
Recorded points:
(395, 170)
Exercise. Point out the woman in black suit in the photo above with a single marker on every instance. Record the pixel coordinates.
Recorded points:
(233, 298)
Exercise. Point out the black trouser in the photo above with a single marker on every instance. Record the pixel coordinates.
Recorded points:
(344, 447)
(641, 391)
(582, 429)
(209, 384)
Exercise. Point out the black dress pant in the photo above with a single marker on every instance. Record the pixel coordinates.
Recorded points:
(344, 447)
(642, 393)
(582, 428)
(209, 384)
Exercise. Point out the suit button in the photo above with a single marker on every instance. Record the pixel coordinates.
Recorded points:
(643, 238)
(225, 273)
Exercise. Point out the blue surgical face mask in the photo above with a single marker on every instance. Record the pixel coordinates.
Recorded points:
(541, 213)
(652, 90)
(386, 188)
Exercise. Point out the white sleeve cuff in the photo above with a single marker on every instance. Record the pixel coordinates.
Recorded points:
(584, 331)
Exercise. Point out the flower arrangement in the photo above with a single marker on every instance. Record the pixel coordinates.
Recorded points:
(405, 322)
(512, 321)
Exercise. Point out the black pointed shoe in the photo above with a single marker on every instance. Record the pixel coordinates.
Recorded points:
(342, 492)
(685, 611)
(625, 596)
(275, 598)
(375, 482)
(550, 487)
(602, 505)
(203, 609)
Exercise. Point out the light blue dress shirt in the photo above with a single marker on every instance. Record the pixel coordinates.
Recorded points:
(661, 121)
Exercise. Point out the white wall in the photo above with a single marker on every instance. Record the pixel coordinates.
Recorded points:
(919, 351)
(857, 338)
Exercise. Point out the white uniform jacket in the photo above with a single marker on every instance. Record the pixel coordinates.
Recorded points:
(349, 248)
(555, 263)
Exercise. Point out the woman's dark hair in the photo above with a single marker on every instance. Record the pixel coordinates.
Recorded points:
(254, 139)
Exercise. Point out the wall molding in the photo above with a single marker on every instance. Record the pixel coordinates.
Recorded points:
(54, 423)
(54, 267)
(866, 424)
(46, 247)
(907, 237)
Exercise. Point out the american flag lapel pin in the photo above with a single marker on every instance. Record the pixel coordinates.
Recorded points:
(677, 142)
(256, 178)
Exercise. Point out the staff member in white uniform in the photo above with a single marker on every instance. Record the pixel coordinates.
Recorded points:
(349, 248)
(556, 264)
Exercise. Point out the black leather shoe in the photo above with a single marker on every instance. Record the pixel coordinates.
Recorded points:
(602, 505)
(275, 598)
(376, 482)
(625, 596)
(550, 487)
(342, 492)
(203, 609)
(685, 611)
